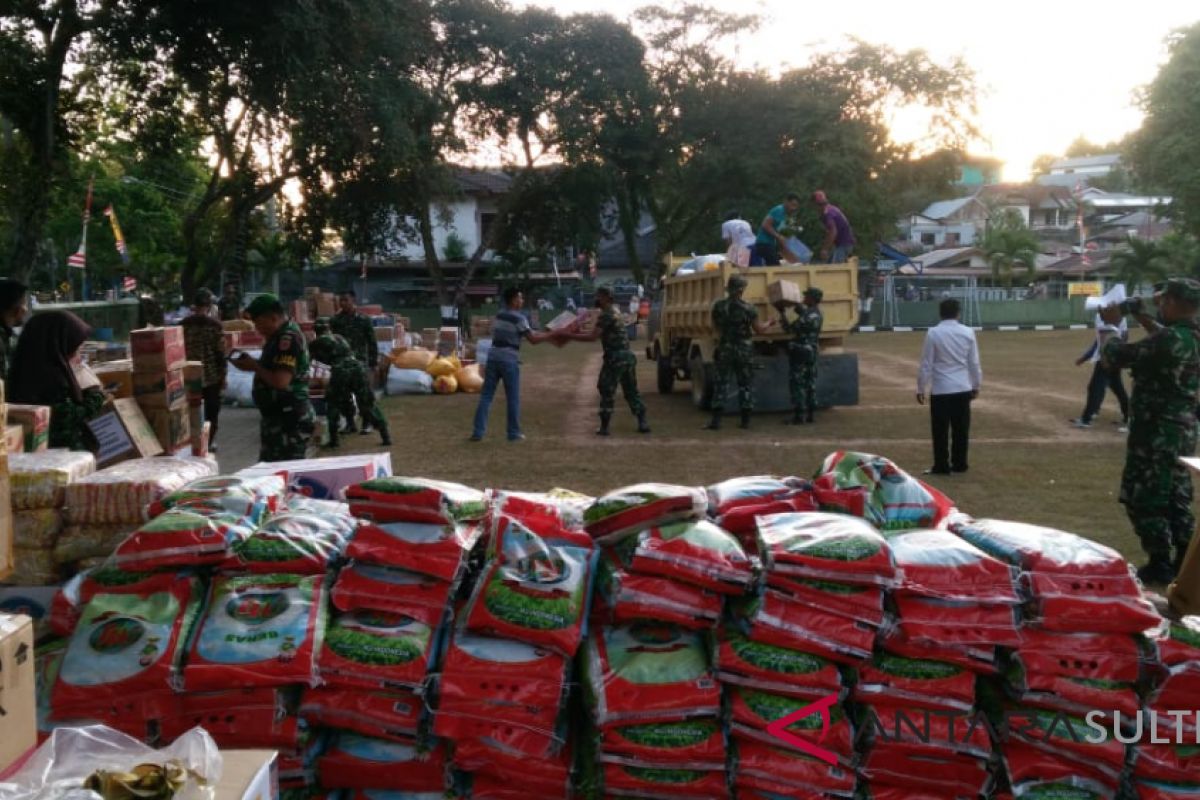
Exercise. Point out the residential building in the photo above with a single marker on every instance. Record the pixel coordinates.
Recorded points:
(1072, 172)
(976, 171)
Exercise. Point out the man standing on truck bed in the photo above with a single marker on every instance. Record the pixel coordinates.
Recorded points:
(770, 238)
(802, 354)
(736, 322)
(839, 238)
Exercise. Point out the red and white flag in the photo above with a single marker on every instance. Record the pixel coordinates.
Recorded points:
(129, 283)
(79, 258)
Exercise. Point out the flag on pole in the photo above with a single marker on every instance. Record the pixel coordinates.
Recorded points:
(122, 249)
(129, 283)
(79, 259)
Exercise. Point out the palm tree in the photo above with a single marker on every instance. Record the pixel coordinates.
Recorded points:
(1140, 261)
(1007, 244)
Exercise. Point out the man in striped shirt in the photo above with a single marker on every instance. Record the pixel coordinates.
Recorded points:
(504, 364)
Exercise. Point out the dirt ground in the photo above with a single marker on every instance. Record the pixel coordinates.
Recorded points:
(1027, 461)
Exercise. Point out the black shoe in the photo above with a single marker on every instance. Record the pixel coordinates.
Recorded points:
(809, 418)
(745, 423)
(714, 424)
(1156, 572)
(643, 426)
(958, 469)
(603, 429)
(385, 440)
(936, 471)
(475, 438)
(350, 429)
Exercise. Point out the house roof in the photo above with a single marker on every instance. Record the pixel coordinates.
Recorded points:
(944, 208)
(1109, 160)
(947, 257)
(1035, 195)
(482, 181)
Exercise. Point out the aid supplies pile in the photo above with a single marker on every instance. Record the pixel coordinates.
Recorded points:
(852, 634)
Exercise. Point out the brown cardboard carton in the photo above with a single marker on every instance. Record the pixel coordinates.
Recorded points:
(6, 531)
(116, 378)
(16, 689)
(35, 420)
(157, 349)
(193, 378)
(154, 390)
(326, 305)
(785, 292)
(248, 775)
(122, 432)
(251, 340)
(14, 439)
(1184, 593)
(298, 311)
(171, 426)
(237, 325)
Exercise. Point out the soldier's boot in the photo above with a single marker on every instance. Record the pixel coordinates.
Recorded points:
(643, 426)
(797, 418)
(604, 420)
(350, 427)
(333, 436)
(714, 424)
(385, 436)
(1157, 571)
(809, 417)
(745, 420)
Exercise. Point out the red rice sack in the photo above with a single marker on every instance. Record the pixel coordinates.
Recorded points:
(1037, 549)
(772, 618)
(923, 730)
(1035, 773)
(394, 715)
(635, 781)
(980, 659)
(110, 578)
(689, 744)
(296, 503)
(630, 509)
(752, 490)
(874, 488)
(399, 499)
(742, 521)
(955, 775)
(751, 711)
(920, 683)
(126, 645)
(861, 603)
(498, 771)
(545, 513)
(1163, 790)
(931, 619)
(239, 727)
(534, 592)
(438, 549)
(1071, 694)
(397, 591)
(627, 597)
(376, 650)
(293, 543)
(648, 672)
(264, 492)
(1178, 688)
(936, 563)
(1178, 641)
(1096, 656)
(359, 762)
(1067, 737)
(699, 553)
(193, 534)
(825, 546)
(776, 771)
(1106, 604)
(1174, 763)
(257, 630)
(779, 670)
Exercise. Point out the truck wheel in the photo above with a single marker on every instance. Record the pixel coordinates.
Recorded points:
(702, 384)
(666, 375)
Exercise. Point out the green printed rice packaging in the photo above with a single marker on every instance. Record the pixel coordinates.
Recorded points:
(630, 509)
(259, 494)
(293, 543)
(825, 546)
(376, 649)
(751, 711)
(691, 743)
(696, 552)
(395, 498)
(781, 670)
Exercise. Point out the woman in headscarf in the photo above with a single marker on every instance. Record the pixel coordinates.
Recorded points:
(43, 374)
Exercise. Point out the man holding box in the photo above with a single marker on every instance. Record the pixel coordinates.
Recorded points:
(736, 322)
(204, 341)
(348, 383)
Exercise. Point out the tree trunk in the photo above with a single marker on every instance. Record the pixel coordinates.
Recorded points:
(434, 266)
(627, 217)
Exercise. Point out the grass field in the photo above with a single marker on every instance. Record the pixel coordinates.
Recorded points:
(1027, 462)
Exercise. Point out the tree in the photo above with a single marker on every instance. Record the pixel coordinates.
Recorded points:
(1007, 244)
(1139, 261)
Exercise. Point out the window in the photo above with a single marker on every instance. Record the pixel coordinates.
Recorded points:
(952, 238)
(486, 220)
(928, 238)
(1052, 217)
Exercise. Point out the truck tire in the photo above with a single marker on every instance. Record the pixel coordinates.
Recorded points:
(666, 375)
(702, 384)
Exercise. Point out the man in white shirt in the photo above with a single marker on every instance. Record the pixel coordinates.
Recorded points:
(739, 239)
(1103, 377)
(950, 375)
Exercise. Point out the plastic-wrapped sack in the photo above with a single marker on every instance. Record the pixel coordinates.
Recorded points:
(401, 499)
(40, 480)
(264, 490)
(239, 718)
(630, 509)
(751, 711)
(557, 514)
(296, 503)
(628, 780)
(915, 771)
(772, 618)
(257, 630)
(302, 543)
(1092, 656)
(36, 528)
(779, 670)
(936, 563)
(412, 359)
(191, 534)
(239, 387)
(437, 549)
(1036, 774)
(1107, 604)
(122, 492)
(1178, 684)
(861, 603)
(750, 491)
(126, 645)
(1071, 694)
(70, 599)
(825, 546)
(742, 521)
(470, 379)
(408, 381)
(916, 682)
(534, 591)
(932, 619)
(1165, 790)
(444, 366)
(648, 672)
(499, 771)
(980, 659)
(394, 715)
(903, 725)
(70, 757)
(398, 591)
(684, 744)
(377, 650)
(1038, 549)
(874, 488)
(628, 597)
(1068, 737)
(354, 761)
(699, 553)
(774, 772)
(1167, 763)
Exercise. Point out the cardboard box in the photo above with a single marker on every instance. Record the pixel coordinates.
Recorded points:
(122, 433)
(248, 775)
(233, 341)
(14, 439)
(157, 349)
(34, 602)
(784, 291)
(116, 378)
(171, 426)
(326, 304)
(6, 521)
(298, 311)
(324, 478)
(158, 390)
(17, 690)
(237, 325)
(371, 309)
(35, 420)
(193, 378)
(251, 340)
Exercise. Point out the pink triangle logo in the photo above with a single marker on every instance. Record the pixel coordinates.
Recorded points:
(778, 729)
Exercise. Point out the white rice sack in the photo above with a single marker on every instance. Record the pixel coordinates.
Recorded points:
(39, 480)
(409, 381)
(121, 492)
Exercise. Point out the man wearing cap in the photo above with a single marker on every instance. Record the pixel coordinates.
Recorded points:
(348, 384)
(1165, 366)
(839, 238)
(204, 341)
(620, 364)
(736, 322)
(280, 382)
(802, 353)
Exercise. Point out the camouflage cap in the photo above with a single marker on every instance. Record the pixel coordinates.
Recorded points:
(1185, 289)
(815, 293)
(264, 304)
(736, 282)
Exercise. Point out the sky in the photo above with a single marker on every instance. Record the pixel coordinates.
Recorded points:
(1049, 71)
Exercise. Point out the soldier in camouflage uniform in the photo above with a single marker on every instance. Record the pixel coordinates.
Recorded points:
(736, 322)
(1165, 365)
(356, 328)
(347, 384)
(803, 350)
(280, 382)
(620, 364)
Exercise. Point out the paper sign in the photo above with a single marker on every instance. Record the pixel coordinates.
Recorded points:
(112, 440)
(1112, 297)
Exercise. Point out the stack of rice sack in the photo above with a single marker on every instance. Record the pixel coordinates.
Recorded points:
(1079, 647)
(650, 685)
(735, 504)
(875, 489)
(1169, 771)
(39, 481)
(407, 560)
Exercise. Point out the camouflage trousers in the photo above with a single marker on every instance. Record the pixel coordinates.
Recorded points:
(802, 378)
(1157, 492)
(349, 387)
(285, 436)
(734, 364)
(619, 369)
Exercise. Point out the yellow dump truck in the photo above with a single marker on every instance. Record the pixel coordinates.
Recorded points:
(683, 339)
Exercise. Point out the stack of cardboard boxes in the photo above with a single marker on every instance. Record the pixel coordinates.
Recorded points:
(158, 384)
(481, 327)
(35, 425)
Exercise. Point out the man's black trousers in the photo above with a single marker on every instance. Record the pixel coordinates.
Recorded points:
(950, 420)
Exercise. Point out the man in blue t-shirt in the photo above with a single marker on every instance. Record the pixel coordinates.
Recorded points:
(504, 364)
(770, 237)
(839, 238)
